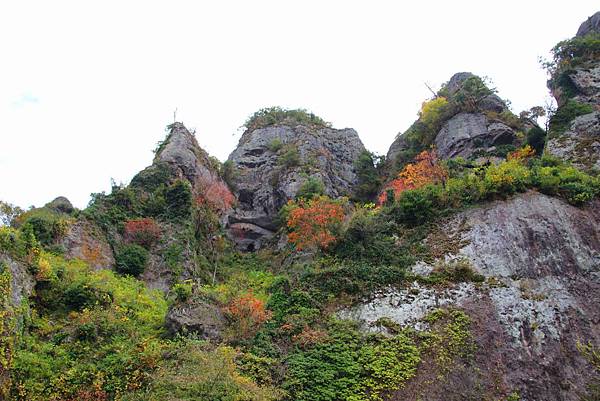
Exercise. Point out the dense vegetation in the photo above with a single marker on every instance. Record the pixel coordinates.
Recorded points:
(277, 115)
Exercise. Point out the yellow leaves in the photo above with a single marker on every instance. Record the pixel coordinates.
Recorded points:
(44, 269)
(432, 110)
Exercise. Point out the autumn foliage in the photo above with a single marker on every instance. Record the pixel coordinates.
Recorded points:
(247, 313)
(314, 223)
(522, 154)
(144, 232)
(425, 170)
(215, 194)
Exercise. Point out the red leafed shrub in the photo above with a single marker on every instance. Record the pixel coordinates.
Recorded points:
(425, 170)
(144, 232)
(215, 194)
(314, 223)
(247, 314)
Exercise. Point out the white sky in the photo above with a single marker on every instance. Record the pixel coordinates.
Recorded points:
(87, 88)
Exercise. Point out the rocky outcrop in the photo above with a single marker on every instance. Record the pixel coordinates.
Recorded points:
(578, 84)
(541, 260)
(84, 240)
(22, 282)
(273, 162)
(196, 317)
(591, 25)
(465, 133)
(61, 205)
(180, 156)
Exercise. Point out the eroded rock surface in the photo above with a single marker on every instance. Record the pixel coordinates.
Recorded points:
(541, 260)
(273, 162)
(196, 317)
(84, 240)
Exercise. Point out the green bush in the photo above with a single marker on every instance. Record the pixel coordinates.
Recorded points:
(277, 115)
(275, 145)
(182, 291)
(289, 156)
(87, 325)
(131, 259)
(310, 188)
(47, 225)
(566, 113)
(349, 366)
(536, 138)
(178, 199)
(367, 172)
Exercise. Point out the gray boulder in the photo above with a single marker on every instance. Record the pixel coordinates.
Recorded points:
(196, 317)
(273, 162)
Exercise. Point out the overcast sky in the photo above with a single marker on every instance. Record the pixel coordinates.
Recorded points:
(87, 88)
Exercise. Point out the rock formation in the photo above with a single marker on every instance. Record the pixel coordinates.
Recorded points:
(272, 163)
(575, 83)
(543, 258)
(467, 133)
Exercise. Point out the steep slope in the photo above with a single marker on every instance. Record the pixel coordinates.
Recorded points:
(541, 260)
(575, 83)
(273, 162)
(172, 209)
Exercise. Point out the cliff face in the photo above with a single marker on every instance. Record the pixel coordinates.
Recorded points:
(575, 84)
(271, 164)
(541, 258)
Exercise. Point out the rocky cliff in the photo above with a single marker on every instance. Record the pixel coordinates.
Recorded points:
(575, 83)
(272, 163)
(541, 260)
(472, 122)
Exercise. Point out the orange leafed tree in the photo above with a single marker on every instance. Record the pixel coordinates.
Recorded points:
(314, 223)
(247, 313)
(425, 170)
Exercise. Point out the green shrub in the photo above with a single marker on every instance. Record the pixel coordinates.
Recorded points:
(566, 113)
(367, 172)
(87, 325)
(47, 225)
(182, 291)
(178, 198)
(275, 145)
(349, 366)
(417, 206)
(289, 156)
(131, 259)
(310, 188)
(507, 178)
(277, 115)
(573, 52)
(152, 177)
(536, 138)
(456, 271)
